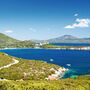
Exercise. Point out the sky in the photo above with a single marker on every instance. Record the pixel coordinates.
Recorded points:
(44, 19)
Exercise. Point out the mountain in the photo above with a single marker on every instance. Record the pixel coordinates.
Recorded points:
(9, 42)
(69, 39)
(65, 39)
(4, 39)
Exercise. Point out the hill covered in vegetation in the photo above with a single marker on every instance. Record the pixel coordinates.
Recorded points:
(9, 42)
(25, 69)
(4, 59)
(5, 40)
(31, 74)
(67, 84)
(22, 44)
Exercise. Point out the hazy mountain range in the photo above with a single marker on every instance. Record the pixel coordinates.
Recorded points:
(69, 39)
(4, 39)
(66, 39)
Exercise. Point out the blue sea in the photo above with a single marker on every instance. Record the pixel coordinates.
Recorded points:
(72, 44)
(77, 61)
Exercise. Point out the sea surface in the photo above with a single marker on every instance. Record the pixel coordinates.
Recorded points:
(72, 44)
(77, 61)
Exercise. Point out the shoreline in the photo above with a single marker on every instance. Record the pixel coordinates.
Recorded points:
(59, 73)
(82, 48)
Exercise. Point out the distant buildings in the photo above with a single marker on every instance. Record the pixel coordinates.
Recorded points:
(37, 45)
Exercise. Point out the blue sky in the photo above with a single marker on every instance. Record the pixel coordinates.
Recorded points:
(44, 19)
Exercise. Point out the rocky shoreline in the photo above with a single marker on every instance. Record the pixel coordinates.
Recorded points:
(58, 74)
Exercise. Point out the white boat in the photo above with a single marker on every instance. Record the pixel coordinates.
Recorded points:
(68, 65)
(51, 60)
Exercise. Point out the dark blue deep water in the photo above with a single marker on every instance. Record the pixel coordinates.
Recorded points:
(79, 60)
(72, 44)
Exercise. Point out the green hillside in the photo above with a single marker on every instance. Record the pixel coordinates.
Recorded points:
(67, 84)
(30, 75)
(4, 59)
(6, 40)
(22, 44)
(9, 42)
(26, 69)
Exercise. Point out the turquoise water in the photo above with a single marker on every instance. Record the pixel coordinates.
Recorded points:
(77, 61)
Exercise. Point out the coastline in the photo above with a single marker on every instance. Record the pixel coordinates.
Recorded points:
(81, 48)
(18, 48)
(59, 73)
(38, 49)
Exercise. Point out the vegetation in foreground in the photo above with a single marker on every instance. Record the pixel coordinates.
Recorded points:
(66, 84)
(30, 75)
(27, 70)
(4, 59)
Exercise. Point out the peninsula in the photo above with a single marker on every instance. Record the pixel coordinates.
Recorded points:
(21, 74)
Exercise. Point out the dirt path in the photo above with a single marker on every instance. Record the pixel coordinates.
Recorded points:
(7, 66)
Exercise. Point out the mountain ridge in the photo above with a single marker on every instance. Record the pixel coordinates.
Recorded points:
(5, 40)
(65, 39)
(9, 42)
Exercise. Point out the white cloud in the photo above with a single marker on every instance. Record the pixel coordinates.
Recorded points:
(68, 26)
(80, 23)
(76, 14)
(8, 31)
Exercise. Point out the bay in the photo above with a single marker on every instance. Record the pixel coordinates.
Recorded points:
(77, 61)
